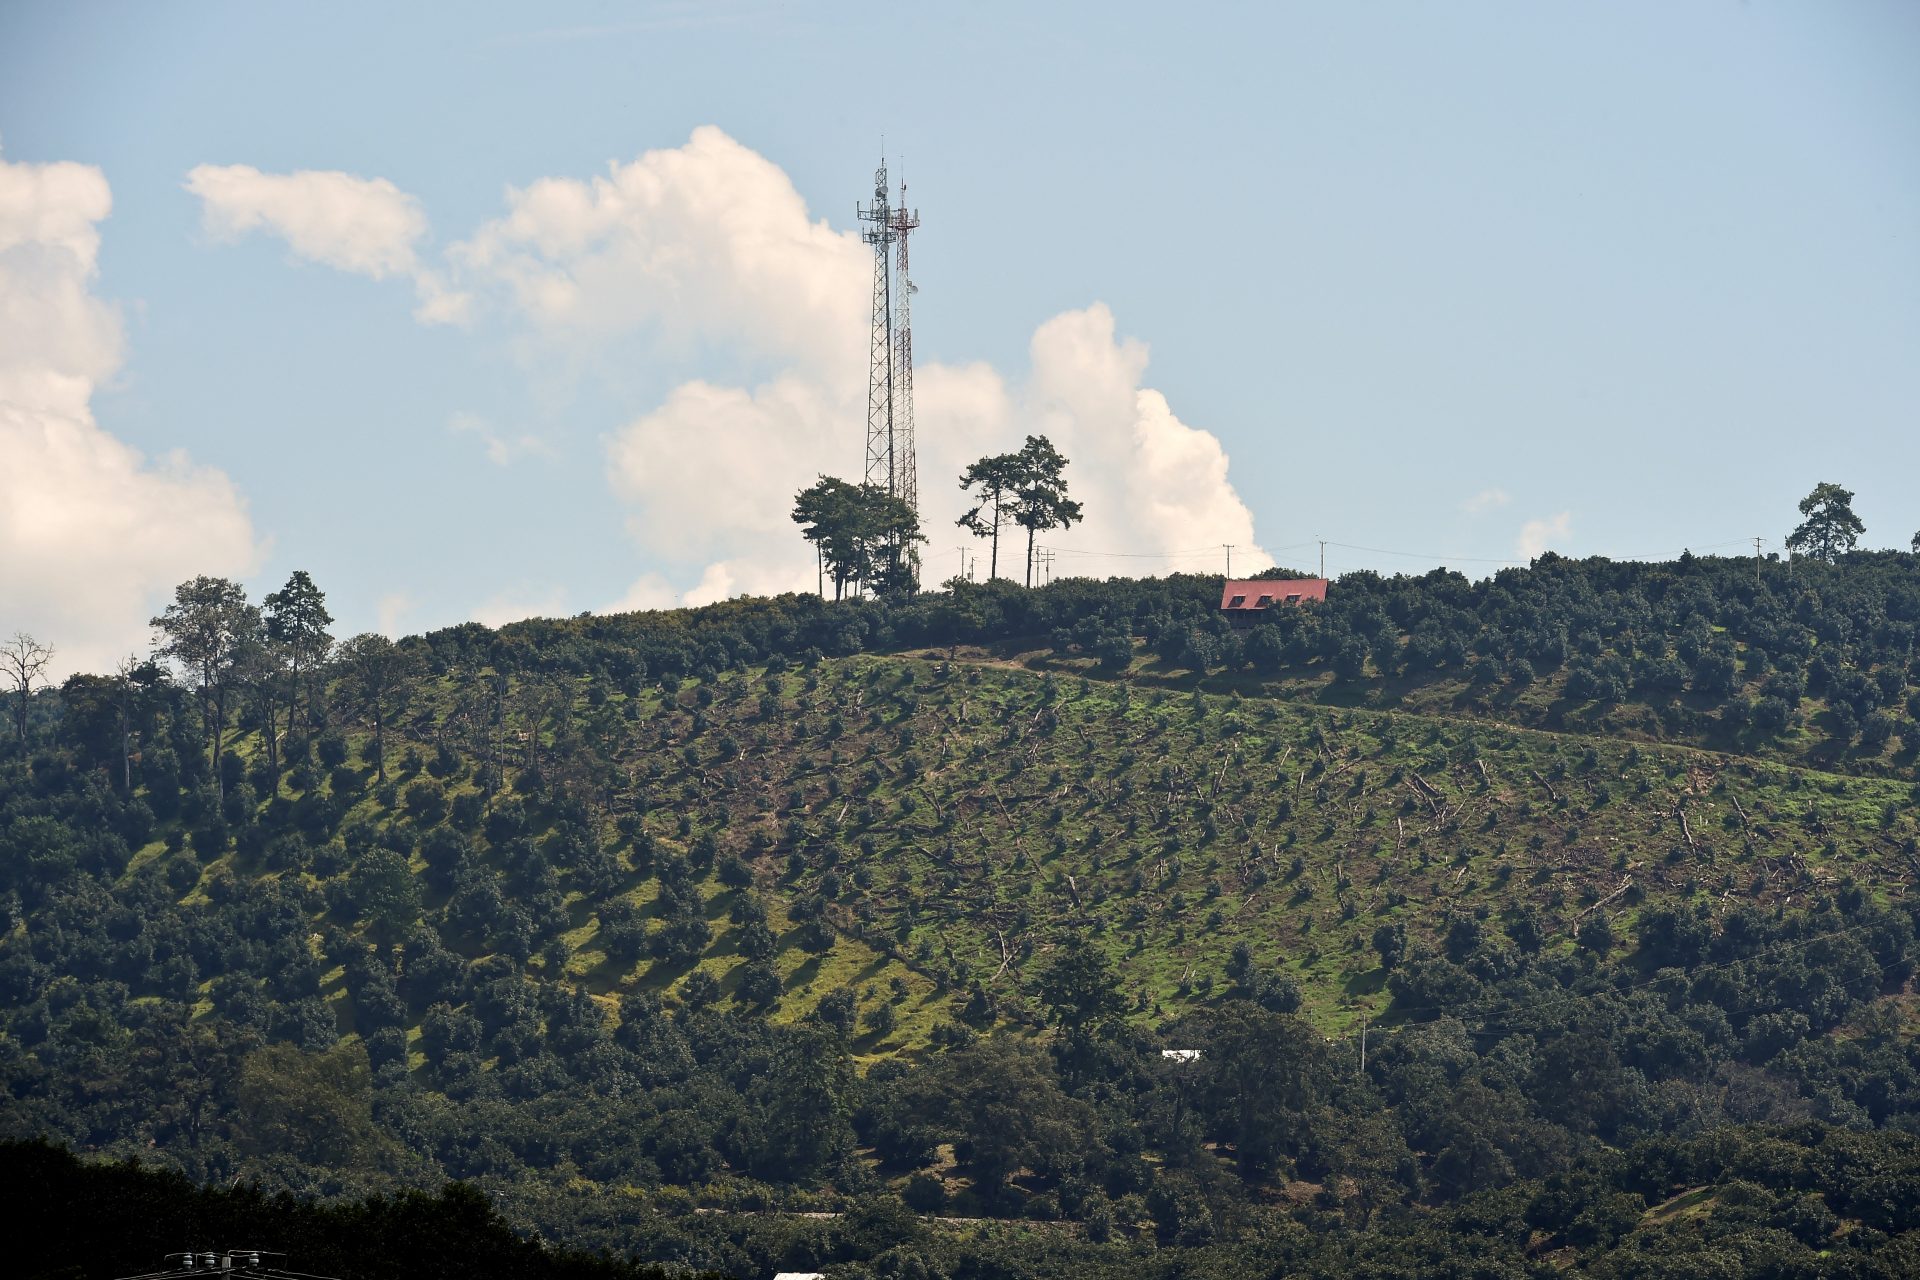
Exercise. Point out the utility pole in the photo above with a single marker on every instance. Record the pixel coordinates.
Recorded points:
(1323, 556)
(1229, 547)
(1756, 559)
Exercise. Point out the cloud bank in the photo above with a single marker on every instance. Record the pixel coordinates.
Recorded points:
(93, 536)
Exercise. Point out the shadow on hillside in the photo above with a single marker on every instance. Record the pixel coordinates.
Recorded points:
(803, 976)
(1371, 982)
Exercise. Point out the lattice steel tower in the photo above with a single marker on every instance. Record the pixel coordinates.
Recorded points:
(890, 451)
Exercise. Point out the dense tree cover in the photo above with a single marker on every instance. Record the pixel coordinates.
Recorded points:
(1800, 660)
(1801, 1200)
(863, 534)
(76, 1219)
(1796, 1200)
(529, 909)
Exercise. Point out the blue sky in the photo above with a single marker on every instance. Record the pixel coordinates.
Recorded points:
(1456, 281)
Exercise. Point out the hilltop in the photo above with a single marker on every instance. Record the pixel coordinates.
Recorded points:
(1800, 662)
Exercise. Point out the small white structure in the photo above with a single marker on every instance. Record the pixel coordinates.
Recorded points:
(1180, 1055)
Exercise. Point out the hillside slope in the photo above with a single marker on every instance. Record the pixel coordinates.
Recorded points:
(921, 830)
(797, 928)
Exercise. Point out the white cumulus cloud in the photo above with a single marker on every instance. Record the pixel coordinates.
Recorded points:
(1537, 536)
(364, 225)
(710, 238)
(93, 535)
(1150, 482)
(715, 468)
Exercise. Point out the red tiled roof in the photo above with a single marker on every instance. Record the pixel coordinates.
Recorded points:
(1254, 594)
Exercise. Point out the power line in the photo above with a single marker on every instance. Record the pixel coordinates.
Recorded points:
(1425, 555)
(1165, 555)
(1139, 555)
(1440, 558)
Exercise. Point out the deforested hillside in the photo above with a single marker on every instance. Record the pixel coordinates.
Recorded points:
(780, 906)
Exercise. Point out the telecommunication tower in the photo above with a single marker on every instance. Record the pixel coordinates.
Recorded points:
(891, 462)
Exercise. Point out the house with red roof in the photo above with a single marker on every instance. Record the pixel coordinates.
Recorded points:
(1244, 599)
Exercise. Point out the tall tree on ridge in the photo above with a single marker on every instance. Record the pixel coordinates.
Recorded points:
(858, 528)
(993, 482)
(297, 622)
(1830, 528)
(827, 512)
(23, 660)
(207, 630)
(1041, 501)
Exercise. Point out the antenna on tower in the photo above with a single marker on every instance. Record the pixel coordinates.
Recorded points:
(891, 462)
(907, 474)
